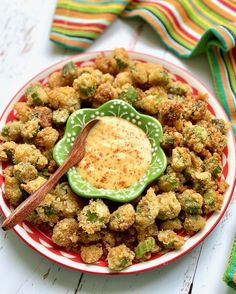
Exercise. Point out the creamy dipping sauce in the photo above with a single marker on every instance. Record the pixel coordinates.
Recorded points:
(117, 154)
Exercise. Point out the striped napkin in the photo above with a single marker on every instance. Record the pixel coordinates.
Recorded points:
(186, 27)
(230, 273)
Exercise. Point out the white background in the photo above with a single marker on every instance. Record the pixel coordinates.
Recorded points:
(24, 51)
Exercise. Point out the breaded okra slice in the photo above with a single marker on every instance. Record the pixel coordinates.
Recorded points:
(147, 209)
(65, 98)
(119, 60)
(69, 72)
(66, 202)
(168, 182)
(25, 172)
(13, 190)
(128, 94)
(195, 137)
(91, 253)
(169, 206)
(65, 233)
(11, 131)
(7, 151)
(60, 116)
(122, 218)
(120, 257)
(170, 240)
(94, 216)
(47, 138)
(212, 201)
(194, 223)
(213, 165)
(29, 153)
(181, 158)
(86, 85)
(171, 224)
(36, 95)
(145, 248)
(191, 201)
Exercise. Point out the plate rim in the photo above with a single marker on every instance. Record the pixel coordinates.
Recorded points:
(92, 54)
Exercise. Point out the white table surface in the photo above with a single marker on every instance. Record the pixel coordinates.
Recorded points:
(24, 51)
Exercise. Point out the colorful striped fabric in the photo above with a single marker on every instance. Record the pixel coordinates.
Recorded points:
(230, 273)
(186, 27)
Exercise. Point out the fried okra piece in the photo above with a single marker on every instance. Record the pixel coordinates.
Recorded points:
(119, 60)
(29, 153)
(220, 124)
(145, 248)
(33, 185)
(55, 80)
(151, 100)
(13, 191)
(36, 95)
(65, 233)
(191, 201)
(171, 139)
(104, 93)
(202, 181)
(212, 201)
(94, 216)
(122, 79)
(147, 209)
(181, 158)
(11, 131)
(179, 88)
(120, 257)
(66, 202)
(122, 218)
(91, 253)
(169, 112)
(128, 94)
(86, 85)
(157, 75)
(169, 206)
(170, 240)
(23, 111)
(86, 238)
(138, 72)
(47, 138)
(195, 137)
(45, 212)
(150, 231)
(25, 172)
(30, 129)
(171, 224)
(43, 114)
(64, 97)
(194, 223)
(168, 182)
(60, 116)
(102, 62)
(213, 165)
(7, 151)
(194, 108)
(69, 72)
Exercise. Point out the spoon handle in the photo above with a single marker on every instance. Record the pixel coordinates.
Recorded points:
(75, 155)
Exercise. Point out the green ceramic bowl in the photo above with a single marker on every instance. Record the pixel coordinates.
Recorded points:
(118, 108)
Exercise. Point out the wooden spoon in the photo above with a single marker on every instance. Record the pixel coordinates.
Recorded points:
(75, 155)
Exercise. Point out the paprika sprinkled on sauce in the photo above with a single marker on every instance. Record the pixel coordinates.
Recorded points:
(117, 154)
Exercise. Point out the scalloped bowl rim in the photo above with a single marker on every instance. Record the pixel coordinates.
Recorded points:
(153, 129)
(23, 231)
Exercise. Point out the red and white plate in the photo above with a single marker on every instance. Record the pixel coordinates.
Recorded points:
(42, 243)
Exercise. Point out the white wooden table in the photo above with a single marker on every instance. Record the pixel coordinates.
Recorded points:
(24, 51)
